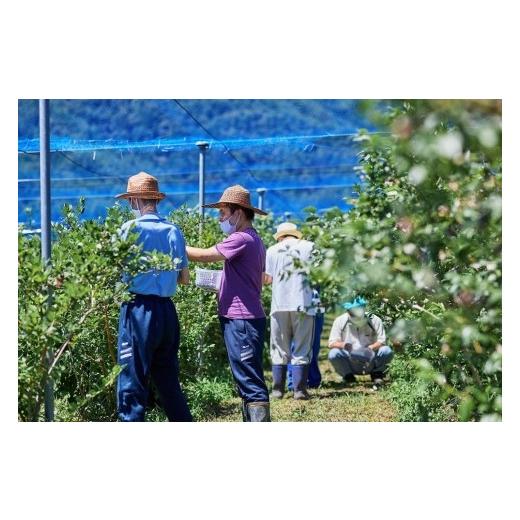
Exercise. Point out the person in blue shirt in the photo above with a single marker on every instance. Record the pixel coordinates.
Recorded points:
(149, 334)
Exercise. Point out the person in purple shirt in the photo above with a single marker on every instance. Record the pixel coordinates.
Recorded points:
(242, 318)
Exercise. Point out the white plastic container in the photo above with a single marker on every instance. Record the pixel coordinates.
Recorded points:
(208, 279)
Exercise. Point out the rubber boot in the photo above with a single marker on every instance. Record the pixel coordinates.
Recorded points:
(258, 412)
(245, 412)
(279, 376)
(300, 374)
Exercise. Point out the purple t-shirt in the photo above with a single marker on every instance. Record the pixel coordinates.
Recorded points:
(241, 285)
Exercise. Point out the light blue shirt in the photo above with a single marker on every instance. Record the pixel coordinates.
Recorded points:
(157, 234)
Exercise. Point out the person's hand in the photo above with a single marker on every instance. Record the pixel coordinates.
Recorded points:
(374, 347)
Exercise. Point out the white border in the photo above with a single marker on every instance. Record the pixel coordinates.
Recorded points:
(281, 50)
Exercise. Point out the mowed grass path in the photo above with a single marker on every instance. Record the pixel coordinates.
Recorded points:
(333, 401)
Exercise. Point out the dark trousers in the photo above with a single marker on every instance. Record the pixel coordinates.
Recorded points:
(244, 341)
(148, 346)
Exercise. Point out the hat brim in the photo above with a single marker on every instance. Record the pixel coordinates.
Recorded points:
(155, 195)
(222, 204)
(292, 233)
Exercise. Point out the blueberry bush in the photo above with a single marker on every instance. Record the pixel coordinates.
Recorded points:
(423, 243)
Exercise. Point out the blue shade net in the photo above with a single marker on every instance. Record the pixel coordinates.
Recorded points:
(302, 152)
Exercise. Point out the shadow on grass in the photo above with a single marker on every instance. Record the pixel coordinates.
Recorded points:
(227, 411)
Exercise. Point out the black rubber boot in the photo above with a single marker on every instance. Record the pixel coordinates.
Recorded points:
(378, 379)
(245, 412)
(300, 374)
(349, 379)
(258, 412)
(279, 377)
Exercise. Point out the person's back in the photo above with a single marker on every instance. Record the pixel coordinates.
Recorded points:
(292, 313)
(157, 234)
(149, 331)
(291, 289)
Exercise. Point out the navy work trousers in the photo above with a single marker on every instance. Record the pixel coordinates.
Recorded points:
(148, 347)
(244, 341)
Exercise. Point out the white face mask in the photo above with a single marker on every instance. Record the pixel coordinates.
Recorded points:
(357, 316)
(359, 322)
(228, 228)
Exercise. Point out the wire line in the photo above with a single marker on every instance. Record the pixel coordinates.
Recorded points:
(216, 139)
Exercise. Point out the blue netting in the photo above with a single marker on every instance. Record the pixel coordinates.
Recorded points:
(303, 152)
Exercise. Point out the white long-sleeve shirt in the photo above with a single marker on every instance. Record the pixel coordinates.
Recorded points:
(291, 292)
(360, 337)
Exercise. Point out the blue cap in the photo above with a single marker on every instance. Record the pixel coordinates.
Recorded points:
(358, 301)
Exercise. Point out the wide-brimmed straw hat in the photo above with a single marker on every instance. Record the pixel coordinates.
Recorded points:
(236, 195)
(142, 186)
(287, 228)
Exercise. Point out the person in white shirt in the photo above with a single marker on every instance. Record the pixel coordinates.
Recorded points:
(357, 344)
(292, 311)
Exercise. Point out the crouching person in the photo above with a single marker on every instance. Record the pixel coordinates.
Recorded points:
(357, 344)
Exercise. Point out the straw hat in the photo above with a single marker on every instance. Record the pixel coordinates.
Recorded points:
(235, 195)
(287, 228)
(142, 186)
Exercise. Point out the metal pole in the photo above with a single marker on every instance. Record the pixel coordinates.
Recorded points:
(203, 147)
(45, 224)
(261, 198)
(202, 175)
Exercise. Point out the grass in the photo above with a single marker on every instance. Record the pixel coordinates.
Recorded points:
(332, 402)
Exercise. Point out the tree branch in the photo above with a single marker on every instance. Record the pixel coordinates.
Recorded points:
(71, 336)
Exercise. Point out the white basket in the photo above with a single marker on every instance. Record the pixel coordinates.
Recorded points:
(208, 279)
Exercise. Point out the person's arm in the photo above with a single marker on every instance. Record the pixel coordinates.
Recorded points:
(335, 340)
(198, 254)
(379, 328)
(375, 346)
(184, 276)
(340, 344)
(268, 274)
(178, 245)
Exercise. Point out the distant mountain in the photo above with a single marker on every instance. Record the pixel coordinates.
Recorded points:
(296, 175)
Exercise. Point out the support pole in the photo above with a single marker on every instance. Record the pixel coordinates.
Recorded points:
(261, 198)
(45, 224)
(203, 147)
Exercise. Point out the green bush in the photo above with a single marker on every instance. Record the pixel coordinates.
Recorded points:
(67, 311)
(423, 242)
(415, 398)
(206, 395)
(71, 308)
